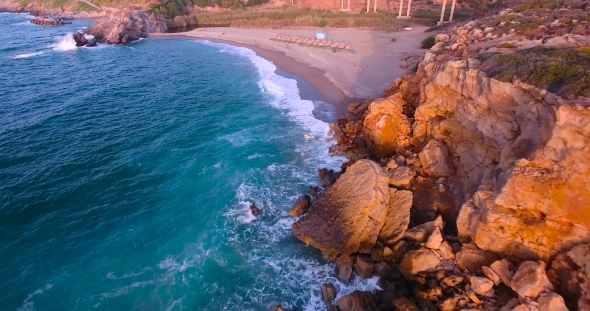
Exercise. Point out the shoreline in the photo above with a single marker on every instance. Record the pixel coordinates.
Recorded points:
(327, 90)
(341, 78)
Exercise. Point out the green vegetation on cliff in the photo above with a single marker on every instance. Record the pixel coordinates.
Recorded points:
(564, 72)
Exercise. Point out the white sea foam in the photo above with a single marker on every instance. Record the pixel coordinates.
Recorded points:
(285, 97)
(28, 305)
(258, 155)
(243, 213)
(66, 43)
(27, 55)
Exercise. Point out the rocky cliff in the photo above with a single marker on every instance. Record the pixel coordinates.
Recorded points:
(121, 27)
(503, 162)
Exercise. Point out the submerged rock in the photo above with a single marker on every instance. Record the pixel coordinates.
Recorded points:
(349, 216)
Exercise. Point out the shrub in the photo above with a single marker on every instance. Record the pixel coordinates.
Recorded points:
(428, 42)
(585, 50)
(565, 72)
(507, 45)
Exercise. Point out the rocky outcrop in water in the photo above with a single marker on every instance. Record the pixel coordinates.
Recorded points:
(121, 27)
(48, 21)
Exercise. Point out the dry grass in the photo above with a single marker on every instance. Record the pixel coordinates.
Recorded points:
(298, 17)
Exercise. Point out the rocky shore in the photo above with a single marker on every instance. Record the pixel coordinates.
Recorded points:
(463, 191)
(48, 21)
(122, 26)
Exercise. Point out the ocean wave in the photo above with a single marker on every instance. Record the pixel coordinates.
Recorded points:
(27, 55)
(66, 43)
(285, 97)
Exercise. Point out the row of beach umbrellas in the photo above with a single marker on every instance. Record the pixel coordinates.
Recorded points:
(311, 42)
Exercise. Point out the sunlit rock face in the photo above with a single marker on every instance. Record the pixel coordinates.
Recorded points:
(349, 217)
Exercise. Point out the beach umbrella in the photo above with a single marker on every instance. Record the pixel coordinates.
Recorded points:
(342, 46)
(348, 47)
(334, 45)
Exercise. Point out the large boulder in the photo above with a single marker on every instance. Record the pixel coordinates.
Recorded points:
(400, 177)
(435, 159)
(349, 216)
(404, 304)
(420, 260)
(364, 266)
(344, 264)
(80, 39)
(515, 232)
(357, 301)
(530, 280)
(385, 127)
(121, 27)
(398, 216)
(472, 258)
(570, 275)
(551, 302)
(328, 295)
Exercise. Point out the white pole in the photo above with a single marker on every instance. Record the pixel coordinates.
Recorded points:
(409, 6)
(349, 5)
(442, 15)
(452, 10)
(375, 6)
(401, 5)
(368, 5)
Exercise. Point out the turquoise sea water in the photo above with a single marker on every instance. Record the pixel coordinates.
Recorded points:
(126, 173)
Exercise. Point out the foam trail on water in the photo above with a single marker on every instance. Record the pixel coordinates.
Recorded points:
(27, 55)
(66, 43)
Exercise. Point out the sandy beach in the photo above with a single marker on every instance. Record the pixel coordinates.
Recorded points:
(340, 78)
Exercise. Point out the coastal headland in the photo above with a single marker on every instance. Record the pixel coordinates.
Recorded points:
(466, 185)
